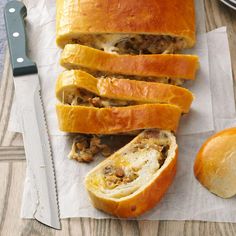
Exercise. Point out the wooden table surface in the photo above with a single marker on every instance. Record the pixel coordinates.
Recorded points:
(12, 170)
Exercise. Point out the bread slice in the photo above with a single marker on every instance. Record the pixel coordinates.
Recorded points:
(79, 87)
(135, 178)
(128, 26)
(174, 66)
(113, 120)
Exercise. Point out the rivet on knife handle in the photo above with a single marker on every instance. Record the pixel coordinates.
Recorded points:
(14, 14)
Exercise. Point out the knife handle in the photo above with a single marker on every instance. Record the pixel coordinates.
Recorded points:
(14, 14)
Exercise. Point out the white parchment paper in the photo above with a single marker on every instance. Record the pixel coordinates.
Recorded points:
(186, 198)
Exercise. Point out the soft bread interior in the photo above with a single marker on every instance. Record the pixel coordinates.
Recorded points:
(164, 80)
(132, 43)
(131, 169)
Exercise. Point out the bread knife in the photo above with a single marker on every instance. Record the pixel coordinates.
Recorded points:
(32, 117)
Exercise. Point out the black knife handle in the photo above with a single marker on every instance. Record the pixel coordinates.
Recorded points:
(14, 14)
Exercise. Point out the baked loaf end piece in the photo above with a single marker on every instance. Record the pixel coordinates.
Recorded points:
(78, 20)
(135, 178)
(215, 163)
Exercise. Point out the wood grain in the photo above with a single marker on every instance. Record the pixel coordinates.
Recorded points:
(12, 170)
(7, 139)
(217, 15)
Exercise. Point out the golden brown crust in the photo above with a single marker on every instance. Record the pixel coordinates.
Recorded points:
(157, 17)
(124, 89)
(75, 56)
(73, 79)
(90, 120)
(215, 162)
(143, 200)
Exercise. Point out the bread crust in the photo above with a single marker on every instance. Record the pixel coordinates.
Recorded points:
(91, 120)
(215, 162)
(157, 17)
(75, 56)
(124, 89)
(73, 80)
(141, 202)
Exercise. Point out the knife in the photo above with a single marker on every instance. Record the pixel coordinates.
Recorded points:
(32, 117)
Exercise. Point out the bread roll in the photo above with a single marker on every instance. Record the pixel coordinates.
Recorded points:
(215, 164)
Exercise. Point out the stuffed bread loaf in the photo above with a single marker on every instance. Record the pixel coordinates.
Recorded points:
(135, 178)
(108, 106)
(136, 27)
(107, 38)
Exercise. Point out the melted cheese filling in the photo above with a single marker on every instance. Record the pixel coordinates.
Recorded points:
(86, 98)
(133, 168)
(132, 43)
(164, 80)
(102, 74)
(142, 166)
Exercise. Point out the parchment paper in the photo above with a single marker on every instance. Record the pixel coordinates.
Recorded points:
(186, 199)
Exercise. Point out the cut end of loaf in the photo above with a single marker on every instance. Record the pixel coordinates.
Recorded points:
(135, 178)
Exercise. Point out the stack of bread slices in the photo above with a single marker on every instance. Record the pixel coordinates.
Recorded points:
(125, 75)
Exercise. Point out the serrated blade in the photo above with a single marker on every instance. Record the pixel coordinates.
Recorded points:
(37, 148)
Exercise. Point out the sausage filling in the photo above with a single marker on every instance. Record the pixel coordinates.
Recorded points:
(86, 98)
(102, 74)
(132, 43)
(117, 175)
(133, 167)
(85, 147)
